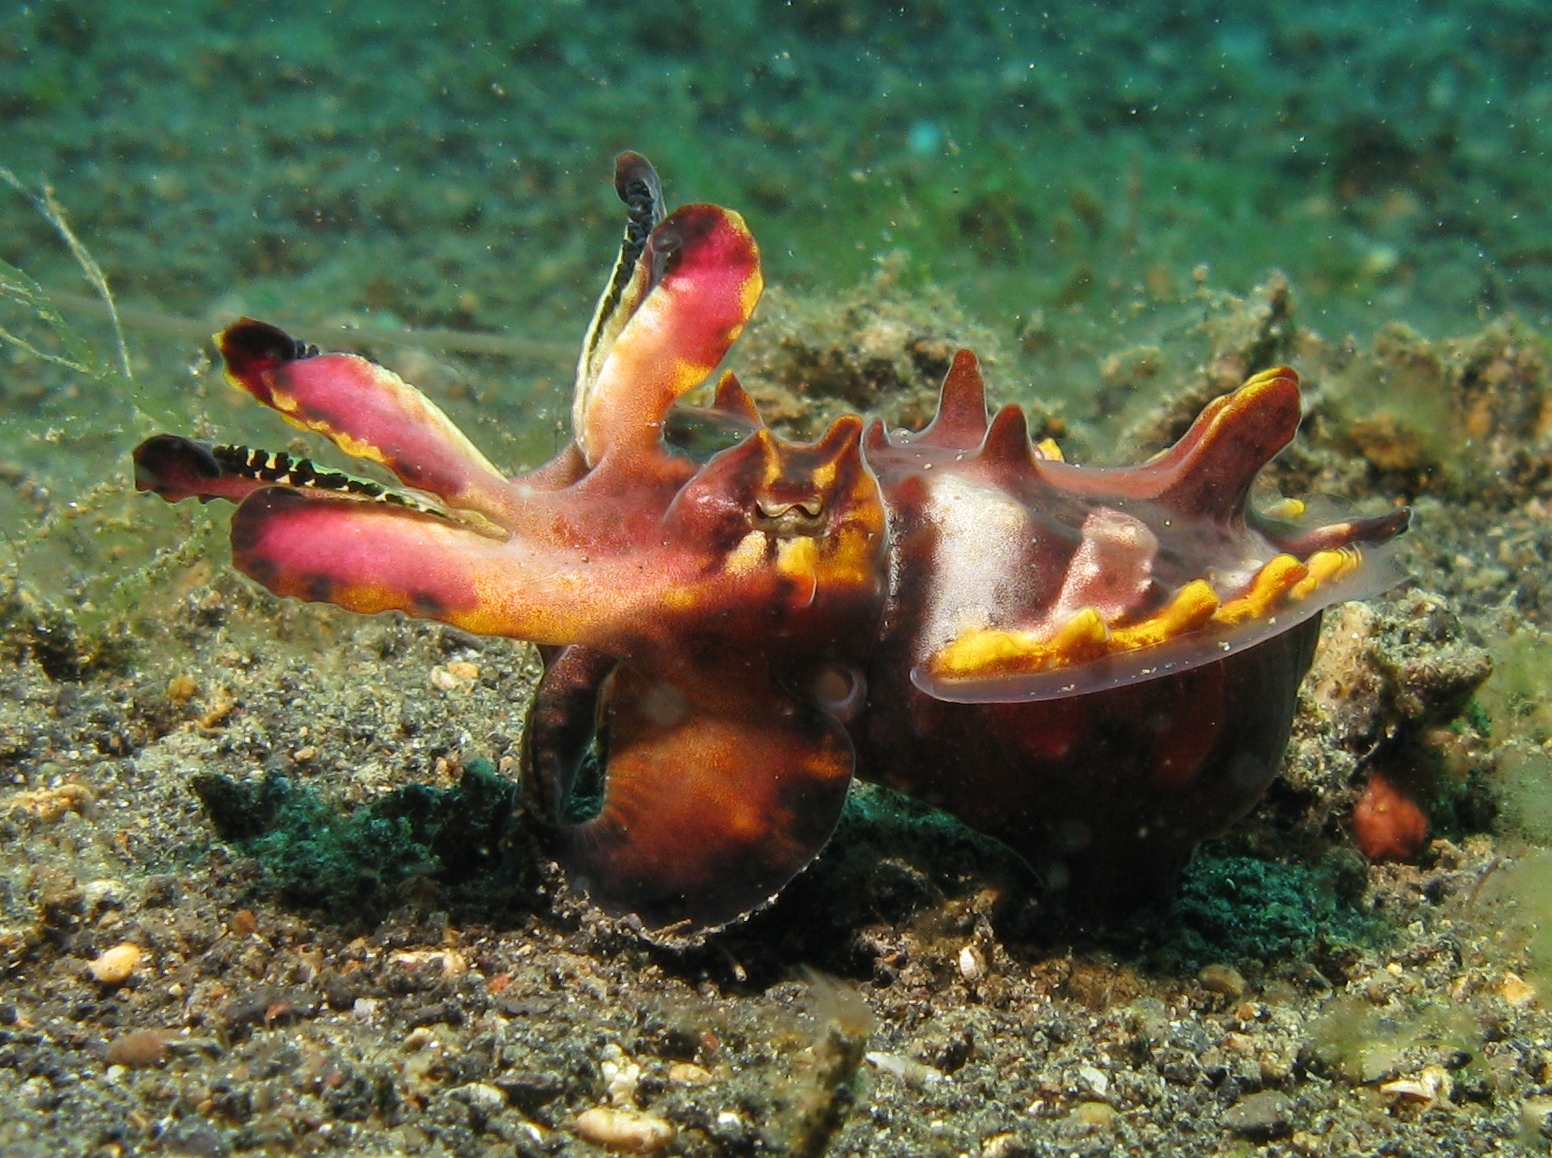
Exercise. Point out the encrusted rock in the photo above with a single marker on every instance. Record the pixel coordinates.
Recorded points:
(1261, 1116)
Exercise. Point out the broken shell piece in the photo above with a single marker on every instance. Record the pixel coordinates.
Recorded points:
(450, 961)
(1432, 1085)
(629, 1131)
(114, 966)
(908, 1070)
(49, 804)
(1094, 1078)
(1221, 978)
(620, 1075)
(972, 963)
(457, 675)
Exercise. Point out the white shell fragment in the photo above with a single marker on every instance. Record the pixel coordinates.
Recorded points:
(629, 1131)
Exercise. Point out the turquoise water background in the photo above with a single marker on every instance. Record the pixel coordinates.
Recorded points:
(1094, 185)
(1065, 168)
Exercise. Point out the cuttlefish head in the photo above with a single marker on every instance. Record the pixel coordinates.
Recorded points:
(728, 593)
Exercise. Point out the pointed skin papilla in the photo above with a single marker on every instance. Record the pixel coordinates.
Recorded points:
(960, 423)
(1208, 473)
(733, 402)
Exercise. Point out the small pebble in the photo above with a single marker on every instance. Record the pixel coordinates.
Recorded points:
(114, 966)
(1264, 1115)
(1516, 990)
(101, 894)
(1087, 1118)
(140, 1049)
(1002, 1146)
(1096, 1114)
(688, 1074)
(458, 674)
(1221, 978)
(629, 1131)
(908, 1070)
(1095, 1079)
(483, 1096)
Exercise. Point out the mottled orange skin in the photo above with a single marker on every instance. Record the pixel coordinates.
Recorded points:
(1097, 666)
(1389, 822)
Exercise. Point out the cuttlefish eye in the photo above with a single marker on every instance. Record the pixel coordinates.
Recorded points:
(803, 517)
(840, 690)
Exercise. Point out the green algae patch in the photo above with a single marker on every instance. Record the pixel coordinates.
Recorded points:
(895, 859)
(1519, 898)
(1523, 795)
(1353, 1039)
(1242, 908)
(1515, 700)
(1515, 706)
(311, 853)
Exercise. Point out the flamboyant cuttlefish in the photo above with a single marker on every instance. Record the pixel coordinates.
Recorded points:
(1097, 666)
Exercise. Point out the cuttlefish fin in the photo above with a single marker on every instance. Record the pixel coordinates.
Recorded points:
(716, 793)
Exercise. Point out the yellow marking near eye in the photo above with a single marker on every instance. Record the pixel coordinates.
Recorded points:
(797, 558)
(853, 560)
(748, 555)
